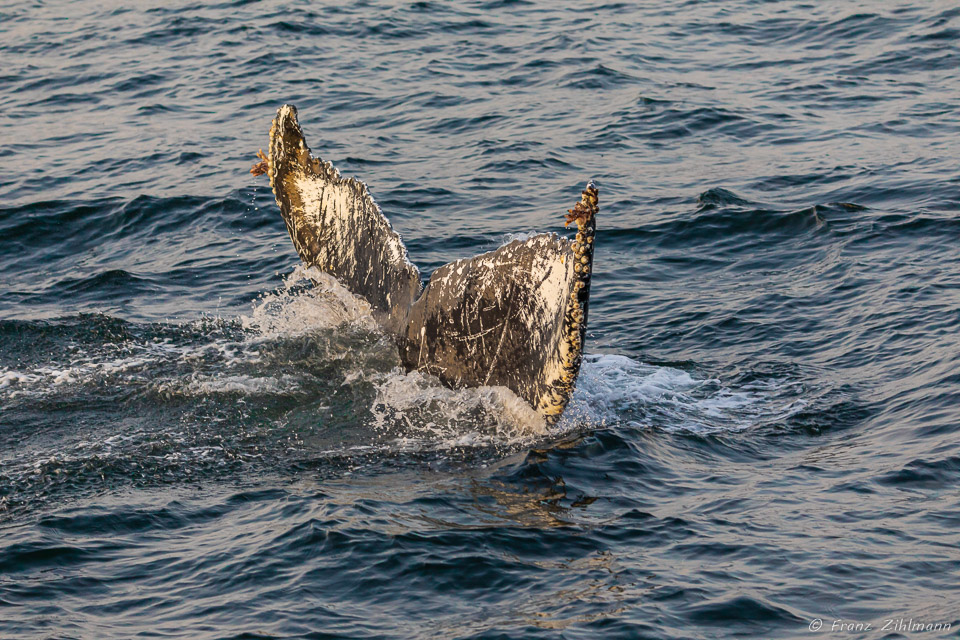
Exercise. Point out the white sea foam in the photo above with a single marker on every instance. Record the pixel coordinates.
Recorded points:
(9, 377)
(244, 385)
(298, 308)
(413, 407)
(83, 366)
(308, 301)
(618, 388)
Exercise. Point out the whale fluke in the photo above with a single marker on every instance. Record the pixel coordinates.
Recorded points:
(514, 317)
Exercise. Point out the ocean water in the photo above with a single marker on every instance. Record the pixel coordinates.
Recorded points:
(198, 442)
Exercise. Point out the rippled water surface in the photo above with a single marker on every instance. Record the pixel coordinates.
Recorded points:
(196, 441)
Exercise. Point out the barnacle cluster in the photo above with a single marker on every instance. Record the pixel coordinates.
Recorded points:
(575, 320)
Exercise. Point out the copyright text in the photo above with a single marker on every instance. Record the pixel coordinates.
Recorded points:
(901, 625)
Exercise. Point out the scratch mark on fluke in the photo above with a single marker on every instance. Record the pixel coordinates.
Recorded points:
(531, 296)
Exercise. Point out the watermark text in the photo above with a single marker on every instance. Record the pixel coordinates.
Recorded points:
(898, 625)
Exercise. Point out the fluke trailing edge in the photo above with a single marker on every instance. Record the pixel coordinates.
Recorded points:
(515, 317)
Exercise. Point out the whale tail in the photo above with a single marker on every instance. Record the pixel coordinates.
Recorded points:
(514, 317)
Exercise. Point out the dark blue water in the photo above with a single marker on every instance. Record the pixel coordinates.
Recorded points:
(195, 442)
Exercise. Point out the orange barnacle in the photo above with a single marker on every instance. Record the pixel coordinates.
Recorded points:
(584, 210)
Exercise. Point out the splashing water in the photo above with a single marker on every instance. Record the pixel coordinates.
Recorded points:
(309, 300)
(616, 388)
(312, 331)
(305, 376)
